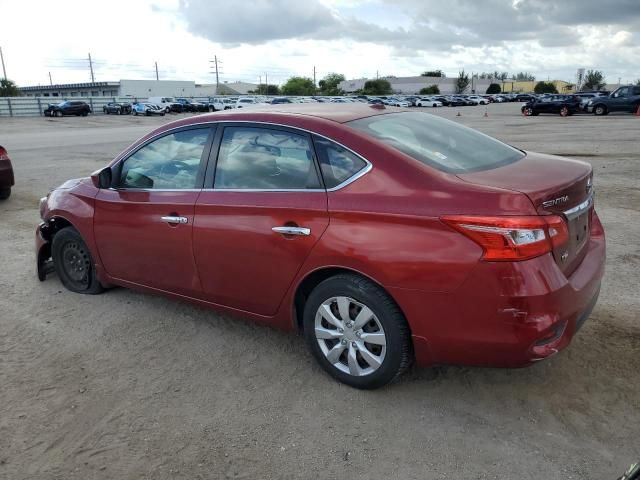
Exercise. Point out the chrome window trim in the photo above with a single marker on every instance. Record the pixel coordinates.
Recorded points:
(360, 173)
(579, 209)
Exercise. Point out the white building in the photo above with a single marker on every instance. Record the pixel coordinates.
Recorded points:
(138, 89)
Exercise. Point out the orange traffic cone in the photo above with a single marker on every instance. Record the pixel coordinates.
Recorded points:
(638, 111)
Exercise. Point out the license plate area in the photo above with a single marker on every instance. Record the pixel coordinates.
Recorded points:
(579, 230)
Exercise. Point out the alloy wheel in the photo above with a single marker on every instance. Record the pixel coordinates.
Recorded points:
(350, 336)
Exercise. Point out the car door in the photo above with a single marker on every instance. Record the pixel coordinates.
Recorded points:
(619, 101)
(266, 210)
(143, 224)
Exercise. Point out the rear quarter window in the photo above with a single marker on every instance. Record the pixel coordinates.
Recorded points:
(437, 142)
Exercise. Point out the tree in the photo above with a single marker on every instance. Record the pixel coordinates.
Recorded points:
(462, 82)
(299, 86)
(9, 88)
(524, 77)
(329, 85)
(376, 87)
(593, 80)
(638, 82)
(545, 87)
(430, 90)
(264, 89)
(494, 88)
(433, 73)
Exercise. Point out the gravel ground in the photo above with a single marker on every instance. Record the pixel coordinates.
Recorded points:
(133, 386)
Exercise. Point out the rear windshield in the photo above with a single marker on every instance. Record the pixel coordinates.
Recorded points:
(437, 142)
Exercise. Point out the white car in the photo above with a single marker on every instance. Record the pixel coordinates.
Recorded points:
(478, 100)
(428, 102)
(396, 102)
(216, 104)
(165, 103)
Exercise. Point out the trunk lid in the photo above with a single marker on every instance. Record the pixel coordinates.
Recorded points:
(555, 185)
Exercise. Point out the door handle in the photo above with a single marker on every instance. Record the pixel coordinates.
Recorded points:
(175, 219)
(292, 231)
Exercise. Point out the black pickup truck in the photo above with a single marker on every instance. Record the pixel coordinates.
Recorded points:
(622, 99)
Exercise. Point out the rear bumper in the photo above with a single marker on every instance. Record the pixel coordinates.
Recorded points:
(507, 314)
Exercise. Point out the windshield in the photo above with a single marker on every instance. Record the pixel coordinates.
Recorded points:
(437, 142)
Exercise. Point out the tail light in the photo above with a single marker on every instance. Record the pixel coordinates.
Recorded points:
(512, 238)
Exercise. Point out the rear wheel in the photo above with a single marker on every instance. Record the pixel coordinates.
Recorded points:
(600, 110)
(528, 111)
(564, 111)
(357, 332)
(58, 113)
(5, 193)
(73, 263)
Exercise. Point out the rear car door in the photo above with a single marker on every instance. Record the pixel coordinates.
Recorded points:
(263, 211)
(143, 224)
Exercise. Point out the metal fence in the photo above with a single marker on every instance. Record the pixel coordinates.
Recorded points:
(35, 106)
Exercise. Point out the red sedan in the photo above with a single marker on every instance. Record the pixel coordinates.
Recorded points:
(6, 174)
(386, 236)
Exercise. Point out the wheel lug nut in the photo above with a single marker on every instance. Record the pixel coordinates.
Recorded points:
(353, 344)
(341, 330)
(358, 333)
(344, 342)
(348, 324)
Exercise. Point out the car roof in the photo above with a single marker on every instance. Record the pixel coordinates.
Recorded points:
(334, 112)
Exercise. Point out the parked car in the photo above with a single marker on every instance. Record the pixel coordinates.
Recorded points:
(215, 104)
(524, 97)
(74, 107)
(117, 108)
(559, 104)
(623, 99)
(279, 100)
(6, 174)
(168, 104)
(396, 102)
(476, 99)
(283, 220)
(245, 102)
(428, 102)
(148, 109)
(192, 106)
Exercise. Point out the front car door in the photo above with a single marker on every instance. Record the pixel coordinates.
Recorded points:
(619, 101)
(266, 210)
(143, 224)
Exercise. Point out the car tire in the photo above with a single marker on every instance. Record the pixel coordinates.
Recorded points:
(5, 193)
(600, 110)
(59, 114)
(564, 111)
(527, 111)
(342, 351)
(73, 262)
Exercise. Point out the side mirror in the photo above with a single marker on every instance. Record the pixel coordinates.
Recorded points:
(102, 178)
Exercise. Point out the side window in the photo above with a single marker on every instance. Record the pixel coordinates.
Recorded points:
(622, 92)
(265, 159)
(337, 163)
(170, 162)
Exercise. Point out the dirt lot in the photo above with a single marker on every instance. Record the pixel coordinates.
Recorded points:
(131, 386)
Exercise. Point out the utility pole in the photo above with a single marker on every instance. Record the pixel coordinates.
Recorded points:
(157, 78)
(4, 70)
(377, 76)
(93, 79)
(314, 78)
(266, 81)
(50, 81)
(217, 71)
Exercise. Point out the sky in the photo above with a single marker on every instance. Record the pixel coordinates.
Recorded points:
(254, 39)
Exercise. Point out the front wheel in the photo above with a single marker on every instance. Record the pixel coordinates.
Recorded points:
(527, 111)
(356, 332)
(600, 110)
(73, 262)
(564, 111)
